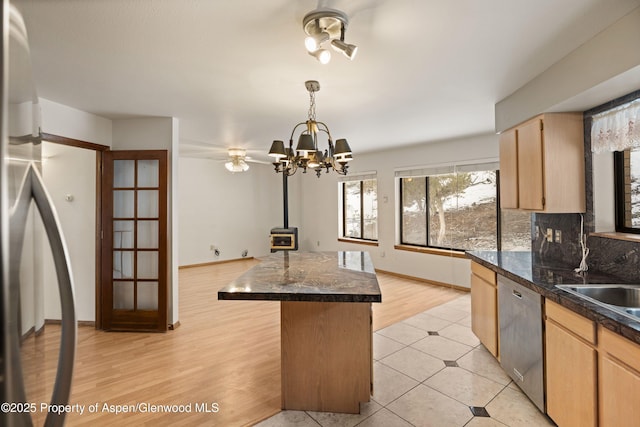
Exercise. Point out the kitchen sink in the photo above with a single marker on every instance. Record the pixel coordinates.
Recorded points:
(623, 299)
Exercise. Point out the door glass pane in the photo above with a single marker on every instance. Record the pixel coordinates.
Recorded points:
(147, 295)
(123, 295)
(123, 173)
(148, 204)
(123, 234)
(148, 265)
(123, 204)
(122, 264)
(148, 173)
(148, 234)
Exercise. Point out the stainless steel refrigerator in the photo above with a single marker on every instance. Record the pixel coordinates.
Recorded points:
(28, 226)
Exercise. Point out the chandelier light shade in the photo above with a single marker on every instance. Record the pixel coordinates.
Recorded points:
(307, 154)
(326, 26)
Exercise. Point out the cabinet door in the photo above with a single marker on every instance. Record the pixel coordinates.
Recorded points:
(484, 313)
(618, 394)
(508, 170)
(571, 378)
(530, 166)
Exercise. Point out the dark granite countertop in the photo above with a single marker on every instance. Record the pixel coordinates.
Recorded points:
(543, 278)
(345, 276)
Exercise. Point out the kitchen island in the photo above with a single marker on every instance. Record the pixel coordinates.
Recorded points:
(326, 335)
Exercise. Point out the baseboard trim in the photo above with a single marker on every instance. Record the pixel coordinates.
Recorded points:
(427, 281)
(78, 322)
(31, 331)
(204, 264)
(174, 326)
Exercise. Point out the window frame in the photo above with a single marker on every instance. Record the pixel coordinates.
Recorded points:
(362, 221)
(427, 245)
(619, 194)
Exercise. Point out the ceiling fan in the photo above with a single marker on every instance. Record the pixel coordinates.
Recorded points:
(237, 160)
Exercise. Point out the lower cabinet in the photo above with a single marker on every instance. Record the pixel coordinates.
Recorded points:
(571, 367)
(592, 376)
(484, 307)
(618, 380)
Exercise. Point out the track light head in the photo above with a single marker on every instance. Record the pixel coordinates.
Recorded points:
(349, 50)
(313, 43)
(322, 55)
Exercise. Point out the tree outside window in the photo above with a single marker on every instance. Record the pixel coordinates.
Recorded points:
(459, 211)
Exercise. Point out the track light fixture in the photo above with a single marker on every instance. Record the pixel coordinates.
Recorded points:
(307, 155)
(326, 25)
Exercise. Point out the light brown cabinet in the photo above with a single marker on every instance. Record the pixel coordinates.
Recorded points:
(484, 307)
(571, 367)
(542, 164)
(592, 375)
(618, 380)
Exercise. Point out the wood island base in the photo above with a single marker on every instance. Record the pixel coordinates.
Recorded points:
(327, 357)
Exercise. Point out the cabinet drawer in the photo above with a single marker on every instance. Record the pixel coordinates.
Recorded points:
(484, 273)
(619, 347)
(575, 323)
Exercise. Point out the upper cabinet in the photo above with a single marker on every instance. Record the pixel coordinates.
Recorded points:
(542, 164)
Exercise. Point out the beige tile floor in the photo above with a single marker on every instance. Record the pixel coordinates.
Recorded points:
(414, 387)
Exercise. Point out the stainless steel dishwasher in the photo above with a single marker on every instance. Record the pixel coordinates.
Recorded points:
(521, 341)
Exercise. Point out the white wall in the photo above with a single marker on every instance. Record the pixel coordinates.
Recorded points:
(157, 133)
(61, 120)
(609, 54)
(72, 170)
(77, 219)
(320, 218)
(232, 211)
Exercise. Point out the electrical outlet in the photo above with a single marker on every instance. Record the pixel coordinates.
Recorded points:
(558, 236)
(549, 235)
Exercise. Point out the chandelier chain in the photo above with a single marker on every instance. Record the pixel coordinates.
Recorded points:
(312, 105)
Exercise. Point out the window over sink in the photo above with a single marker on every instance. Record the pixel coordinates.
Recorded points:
(627, 176)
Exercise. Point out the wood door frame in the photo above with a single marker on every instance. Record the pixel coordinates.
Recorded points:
(126, 322)
(99, 149)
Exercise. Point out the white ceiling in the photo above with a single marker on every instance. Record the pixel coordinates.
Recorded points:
(233, 72)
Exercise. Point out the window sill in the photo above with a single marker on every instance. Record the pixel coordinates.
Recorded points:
(431, 251)
(629, 237)
(358, 241)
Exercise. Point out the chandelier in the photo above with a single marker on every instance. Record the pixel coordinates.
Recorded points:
(307, 155)
(326, 25)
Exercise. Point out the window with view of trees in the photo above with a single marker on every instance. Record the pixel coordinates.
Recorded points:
(459, 210)
(627, 175)
(360, 209)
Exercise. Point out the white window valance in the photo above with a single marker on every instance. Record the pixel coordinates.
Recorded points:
(617, 129)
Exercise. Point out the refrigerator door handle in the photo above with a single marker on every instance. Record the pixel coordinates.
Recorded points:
(33, 187)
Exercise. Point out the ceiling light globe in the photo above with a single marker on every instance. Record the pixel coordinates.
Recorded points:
(310, 44)
(324, 56)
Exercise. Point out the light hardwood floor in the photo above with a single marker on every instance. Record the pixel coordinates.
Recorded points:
(225, 353)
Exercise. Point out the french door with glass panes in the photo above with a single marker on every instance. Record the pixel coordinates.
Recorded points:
(134, 241)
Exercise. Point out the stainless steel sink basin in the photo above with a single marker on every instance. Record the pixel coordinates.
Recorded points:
(623, 299)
